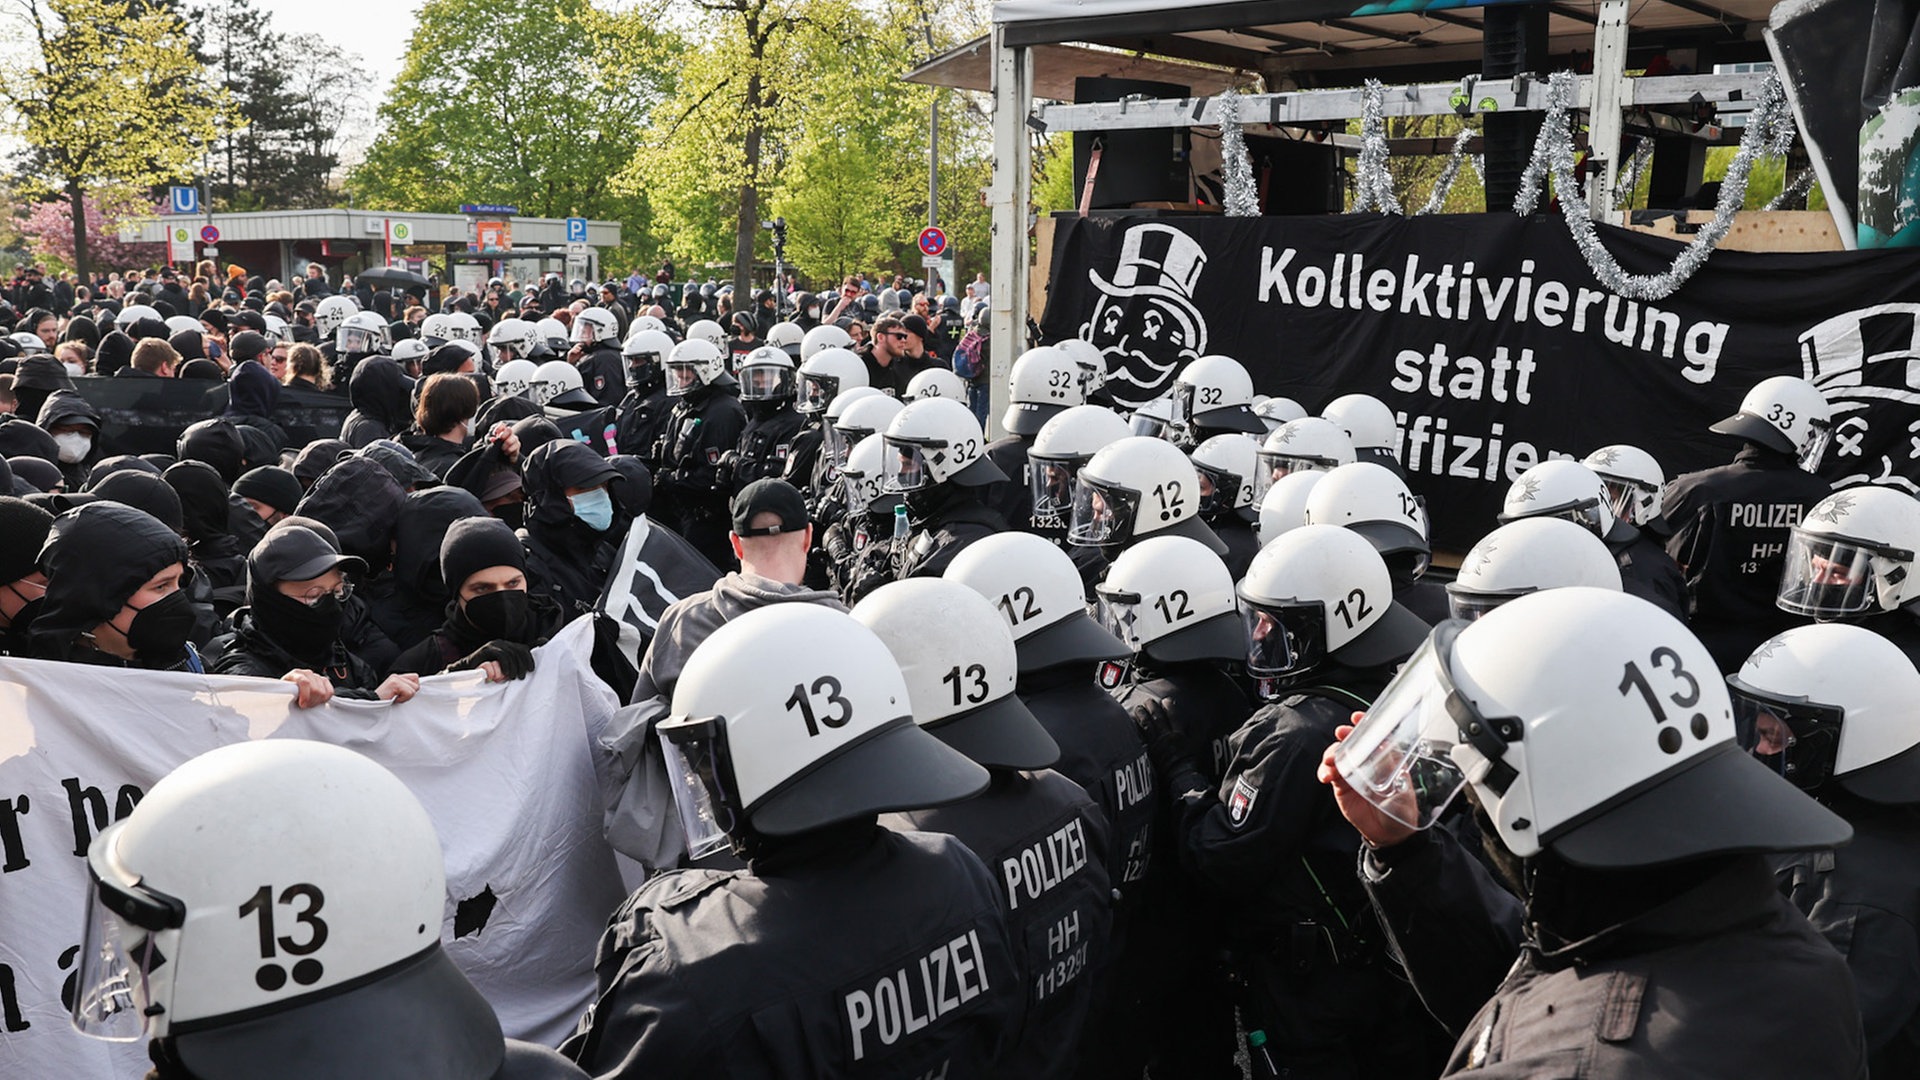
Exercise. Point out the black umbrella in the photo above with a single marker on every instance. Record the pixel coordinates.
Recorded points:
(388, 277)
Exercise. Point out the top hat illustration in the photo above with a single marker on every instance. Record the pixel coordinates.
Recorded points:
(1155, 260)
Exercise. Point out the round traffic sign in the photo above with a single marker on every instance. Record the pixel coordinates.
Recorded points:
(933, 240)
(400, 231)
(209, 234)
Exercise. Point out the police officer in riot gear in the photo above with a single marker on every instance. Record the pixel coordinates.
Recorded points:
(1226, 465)
(1731, 524)
(1044, 383)
(1568, 489)
(688, 491)
(642, 414)
(843, 949)
(1374, 502)
(1526, 556)
(1213, 395)
(831, 370)
(596, 352)
(766, 391)
(1370, 425)
(360, 987)
(936, 459)
(1852, 558)
(1046, 837)
(1613, 922)
(858, 548)
(1323, 635)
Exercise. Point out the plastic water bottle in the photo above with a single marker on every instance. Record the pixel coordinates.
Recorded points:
(900, 530)
(1262, 1058)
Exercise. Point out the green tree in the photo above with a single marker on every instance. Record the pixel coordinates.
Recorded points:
(110, 100)
(532, 106)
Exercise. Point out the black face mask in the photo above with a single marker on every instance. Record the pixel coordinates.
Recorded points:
(513, 513)
(158, 633)
(502, 615)
(306, 633)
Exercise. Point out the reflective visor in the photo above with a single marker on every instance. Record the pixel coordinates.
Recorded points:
(1400, 756)
(859, 491)
(906, 465)
(1218, 490)
(1276, 464)
(1153, 427)
(765, 382)
(1469, 606)
(1119, 612)
(124, 982)
(1051, 482)
(1624, 497)
(681, 378)
(1284, 639)
(1102, 515)
(1584, 514)
(1828, 576)
(693, 752)
(816, 393)
(1798, 739)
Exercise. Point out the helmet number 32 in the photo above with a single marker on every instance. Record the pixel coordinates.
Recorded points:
(271, 976)
(1632, 679)
(827, 689)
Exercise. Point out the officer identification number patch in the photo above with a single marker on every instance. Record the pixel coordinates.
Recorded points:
(1240, 802)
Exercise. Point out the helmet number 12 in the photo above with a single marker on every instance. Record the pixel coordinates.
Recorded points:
(272, 976)
(802, 700)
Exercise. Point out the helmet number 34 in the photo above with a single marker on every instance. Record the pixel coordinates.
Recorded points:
(272, 976)
(1632, 679)
(802, 700)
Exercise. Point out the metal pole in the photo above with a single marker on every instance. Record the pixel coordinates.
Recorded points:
(1611, 93)
(1009, 198)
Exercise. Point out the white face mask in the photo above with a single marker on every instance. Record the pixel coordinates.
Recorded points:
(76, 369)
(73, 446)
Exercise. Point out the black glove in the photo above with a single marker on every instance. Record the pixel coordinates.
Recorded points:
(1170, 749)
(515, 659)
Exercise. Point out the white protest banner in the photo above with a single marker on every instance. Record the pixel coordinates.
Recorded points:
(504, 770)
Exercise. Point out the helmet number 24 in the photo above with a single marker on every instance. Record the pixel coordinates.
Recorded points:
(271, 976)
(802, 699)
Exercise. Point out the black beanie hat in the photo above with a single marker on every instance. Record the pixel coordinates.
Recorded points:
(143, 491)
(23, 531)
(272, 485)
(474, 544)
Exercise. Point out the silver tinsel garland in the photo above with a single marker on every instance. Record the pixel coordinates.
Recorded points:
(1376, 183)
(1630, 178)
(1795, 190)
(1238, 195)
(1437, 198)
(1769, 131)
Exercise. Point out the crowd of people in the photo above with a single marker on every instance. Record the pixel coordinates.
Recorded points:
(1125, 744)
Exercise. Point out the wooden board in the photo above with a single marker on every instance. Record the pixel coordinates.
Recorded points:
(1757, 230)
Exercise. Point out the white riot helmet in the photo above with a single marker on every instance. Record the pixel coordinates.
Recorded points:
(1634, 481)
(554, 379)
(1215, 393)
(710, 332)
(766, 374)
(692, 364)
(1275, 411)
(646, 322)
(133, 313)
(594, 325)
(937, 382)
(1372, 501)
(463, 327)
(1172, 600)
(863, 476)
(825, 336)
(436, 329)
(1316, 592)
(1832, 701)
(1786, 414)
(1063, 445)
(1227, 464)
(866, 412)
(28, 344)
(514, 378)
(410, 351)
(1154, 420)
(255, 883)
(329, 313)
(181, 324)
(1852, 555)
(1368, 423)
(553, 333)
(1091, 362)
(958, 657)
(1589, 723)
(1527, 556)
(1044, 382)
(1309, 444)
(785, 335)
(1135, 488)
(937, 441)
(646, 353)
(276, 327)
(1037, 589)
(1564, 489)
(814, 737)
(1284, 508)
(512, 339)
(362, 333)
(827, 374)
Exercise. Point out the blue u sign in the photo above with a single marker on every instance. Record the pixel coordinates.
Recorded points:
(576, 230)
(183, 200)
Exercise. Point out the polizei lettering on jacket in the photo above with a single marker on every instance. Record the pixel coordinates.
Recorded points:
(906, 1001)
(1038, 868)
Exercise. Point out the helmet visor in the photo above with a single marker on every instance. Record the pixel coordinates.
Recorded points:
(1625, 498)
(1798, 739)
(859, 491)
(1153, 427)
(1051, 482)
(816, 393)
(1469, 606)
(1219, 490)
(906, 465)
(1816, 447)
(357, 339)
(839, 443)
(1400, 756)
(765, 382)
(1284, 639)
(123, 981)
(682, 377)
(1119, 611)
(1588, 515)
(1101, 514)
(694, 753)
(1275, 465)
(1827, 576)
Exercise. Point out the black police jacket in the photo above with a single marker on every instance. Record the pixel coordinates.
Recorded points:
(1242, 543)
(1204, 703)
(855, 952)
(1046, 843)
(703, 427)
(1014, 497)
(803, 456)
(642, 419)
(957, 520)
(1101, 751)
(1648, 571)
(603, 373)
(766, 444)
(1730, 530)
(526, 1061)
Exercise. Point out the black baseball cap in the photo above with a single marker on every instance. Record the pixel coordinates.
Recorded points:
(769, 496)
(296, 553)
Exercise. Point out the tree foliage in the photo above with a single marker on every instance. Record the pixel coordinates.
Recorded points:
(111, 99)
(47, 230)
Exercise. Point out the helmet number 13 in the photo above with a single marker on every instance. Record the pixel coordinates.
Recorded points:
(825, 687)
(309, 900)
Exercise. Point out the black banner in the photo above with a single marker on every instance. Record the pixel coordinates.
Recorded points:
(146, 416)
(1492, 339)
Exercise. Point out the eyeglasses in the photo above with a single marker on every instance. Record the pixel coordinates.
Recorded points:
(900, 335)
(313, 596)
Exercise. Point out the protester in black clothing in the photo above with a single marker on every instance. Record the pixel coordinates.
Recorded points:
(113, 593)
(491, 623)
(382, 402)
(23, 531)
(443, 421)
(574, 526)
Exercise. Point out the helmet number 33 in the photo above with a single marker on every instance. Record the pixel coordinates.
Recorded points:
(1632, 679)
(310, 899)
(826, 688)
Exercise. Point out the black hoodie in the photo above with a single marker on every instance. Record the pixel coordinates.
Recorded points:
(419, 598)
(68, 407)
(96, 557)
(380, 392)
(567, 561)
(215, 554)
